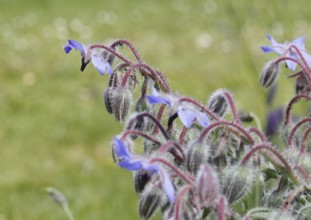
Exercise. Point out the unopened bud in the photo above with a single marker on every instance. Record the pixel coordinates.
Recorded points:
(301, 84)
(237, 183)
(150, 201)
(269, 74)
(108, 56)
(246, 117)
(141, 105)
(206, 185)
(121, 103)
(218, 103)
(184, 210)
(197, 155)
(57, 197)
(141, 178)
(109, 96)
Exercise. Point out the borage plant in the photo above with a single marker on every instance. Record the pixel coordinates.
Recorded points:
(203, 161)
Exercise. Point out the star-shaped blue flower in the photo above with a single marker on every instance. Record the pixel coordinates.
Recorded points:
(136, 163)
(187, 114)
(285, 50)
(97, 59)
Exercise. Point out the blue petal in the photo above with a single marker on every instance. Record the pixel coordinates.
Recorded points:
(154, 91)
(120, 148)
(202, 119)
(67, 48)
(273, 42)
(267, 49)
(101, 64)
(158, 100)
(132, 165)
(76, 45)
(167, 186)
(186, 117)
(299, 42)
(291, 65)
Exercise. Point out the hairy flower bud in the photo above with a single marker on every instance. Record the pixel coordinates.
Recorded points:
(150, 201)
(141, 105)
(269, 74)
(206, 185)
(141, 178)
(237, 182)
(121, 103)
(197, 155)
(109, 95)
(185, 211)
(218, 103)
(301, 84)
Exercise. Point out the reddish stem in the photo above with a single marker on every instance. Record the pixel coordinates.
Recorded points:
(303, 172)
(165, 147)
(124, 59)
(298, 63)
(139, 133)
(295, 99)
(179, 200)
(267, 146)
(305, 137)
(259, 134)
(130, 46)
(295, 128)
(187, 178)
(155, 121)
(183, 135)
(224, 124)
(301, 57)
(196, 103)
(159, 117)
(232, 106)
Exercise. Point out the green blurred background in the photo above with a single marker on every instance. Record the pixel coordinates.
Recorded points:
(54, 129)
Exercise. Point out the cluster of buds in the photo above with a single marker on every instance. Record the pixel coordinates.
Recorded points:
(205, 160)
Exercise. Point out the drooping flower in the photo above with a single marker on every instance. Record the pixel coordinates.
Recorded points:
(99, 62)
(136, 163)
(186, 113)
(286, 50)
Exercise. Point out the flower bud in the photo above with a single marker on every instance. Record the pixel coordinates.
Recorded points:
(218, 103)
(109, 95)
(185, 211)
(57, 197)
(269, 74)
(197, 155)
(301, 84)
(136, 122)
(121, 103)
(141, 105)
(237, 182)
(150, 201)
(141, 178)
(206, 185)
(246, 117)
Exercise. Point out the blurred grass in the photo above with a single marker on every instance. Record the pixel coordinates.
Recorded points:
(54, 130)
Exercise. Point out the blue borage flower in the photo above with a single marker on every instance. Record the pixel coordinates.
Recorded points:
(186, 113)
(99, 62)
(136, 163)
(285, 50)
